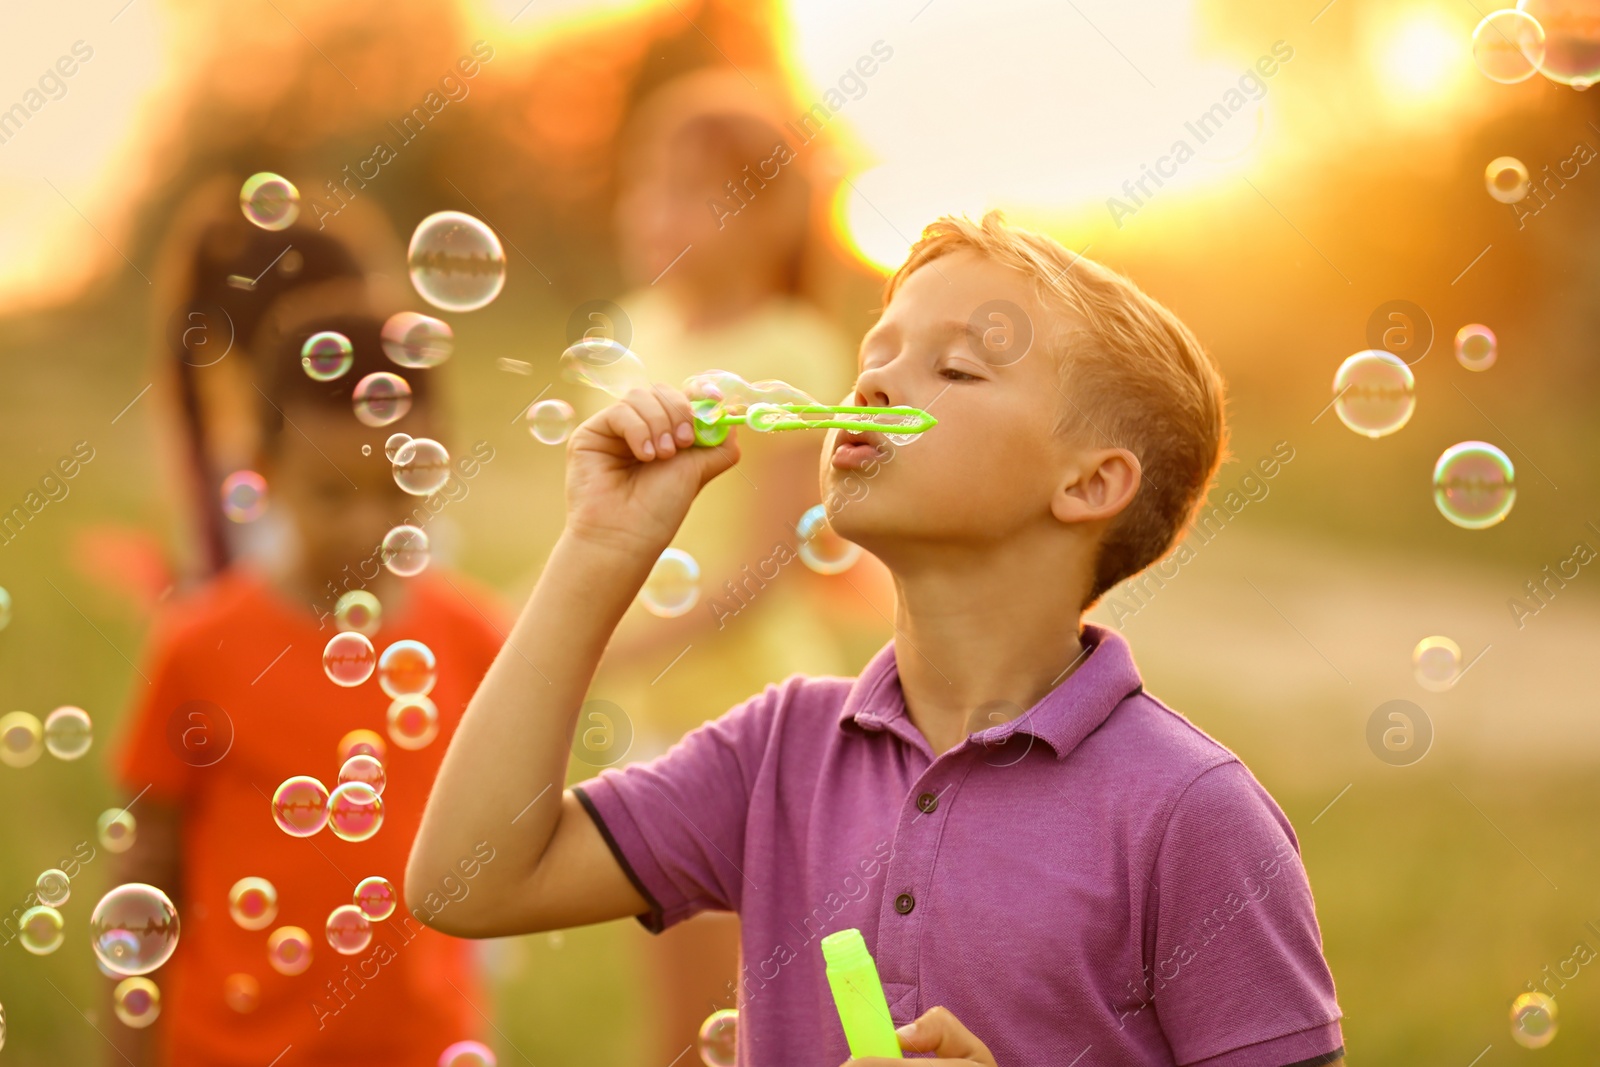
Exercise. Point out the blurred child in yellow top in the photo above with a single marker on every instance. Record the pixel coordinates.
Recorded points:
(712, 217)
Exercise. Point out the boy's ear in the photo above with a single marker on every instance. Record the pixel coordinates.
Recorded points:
(1097, 486)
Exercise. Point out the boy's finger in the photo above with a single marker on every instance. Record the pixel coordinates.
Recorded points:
(679, 413)
(938, 1031)
(654, 413)
(623, 420)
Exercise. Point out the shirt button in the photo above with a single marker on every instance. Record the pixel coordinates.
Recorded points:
(904, 903)
(928, 802)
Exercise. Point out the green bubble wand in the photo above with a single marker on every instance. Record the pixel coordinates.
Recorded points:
(723, 400)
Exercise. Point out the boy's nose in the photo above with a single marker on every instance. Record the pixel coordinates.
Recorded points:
(872, 389)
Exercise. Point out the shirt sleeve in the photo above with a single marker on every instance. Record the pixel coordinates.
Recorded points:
(1233, 950)
(676, 823)
(159, 730)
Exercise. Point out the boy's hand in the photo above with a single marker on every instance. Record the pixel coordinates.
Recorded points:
(941, 1033)
(633, 470)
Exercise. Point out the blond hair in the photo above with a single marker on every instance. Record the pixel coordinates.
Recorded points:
(1149, 382)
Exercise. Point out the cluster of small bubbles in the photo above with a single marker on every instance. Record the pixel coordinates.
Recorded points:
(1506, 179)
(407, 668)
(413, 722)
(358, 611)
(41, 930)
(327, 356)
(467, 1054)
(355, 812)
(21, 739)
(348, 930)
(134, 929)
(412, 339)
(136, 1001)
(244, 496)
(603, 364)
(421, 466)
(1476, 347)
(719, 1038)
(348, 659)
(300, 806)
(365, 769)
(270, 201)
(1533, 1020)
(1374, 393)
(376, 898)
(253, 903)
(381, 398)
(289, 950)
(361, 743)
(1436, 662)
(551, 421)
(405, 551)
(1572, 40)
(53, 887)
(5, 608)
(68, 732)
(396, 441)
(673, 587)
(241, 992)
(1474, 484)
(116, 829)
(1508, 45)
(820, 548)
(456, 262)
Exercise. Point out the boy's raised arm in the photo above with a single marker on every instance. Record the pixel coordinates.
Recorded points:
(631, 475)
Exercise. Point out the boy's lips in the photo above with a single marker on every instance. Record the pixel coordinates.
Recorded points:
(853, 449)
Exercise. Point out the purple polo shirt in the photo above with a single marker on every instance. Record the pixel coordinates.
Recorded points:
(1094, 882)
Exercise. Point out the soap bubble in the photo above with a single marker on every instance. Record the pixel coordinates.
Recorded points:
(244, 496)
(365, 769)
(1571, 40)
(21, 739)
(253, 903)
(719, 1036)
(242, 993)
(348, 659)
(361, 743)
(456, 262)
(551, 421)
(1533, 1020)
(40, 929)
(405, 551)
(820, 548)
(1506, 179)
(1508, 46)
(673, 586)
(413, 722)
(348, 930)
(1474, 484)
(467, 1054)
(606, 365)
(358, 611)
(68, 732)
(366, 450)
(355, 812)
(1476, 347)
(738, 395)
(270, 201)
(136, 1001)
(116, 829)
(1436, 661)
(326, 356)
(407, 668)
(396, 441)
(381, 398)
(376, 898)
(5, 608)
(300, 806)
(53, 887)
(134, 929)
(289, 950)
(415, 340)
(1375, 393)
(421, 466)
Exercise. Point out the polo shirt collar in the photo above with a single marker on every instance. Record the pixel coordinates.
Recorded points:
(1063, 718)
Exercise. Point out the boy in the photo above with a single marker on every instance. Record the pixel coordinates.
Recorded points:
(1091, 880)
(237, 702)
